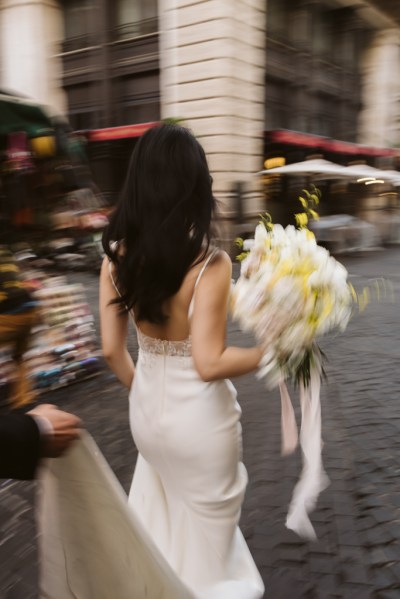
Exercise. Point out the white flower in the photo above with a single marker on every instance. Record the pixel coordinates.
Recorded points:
(248, 244)
(260, 235)
(279, 235)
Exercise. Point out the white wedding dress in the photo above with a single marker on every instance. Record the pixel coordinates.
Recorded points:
(189, 481)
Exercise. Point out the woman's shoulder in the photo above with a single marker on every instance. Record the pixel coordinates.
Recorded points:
(217, 266)
(221, 259)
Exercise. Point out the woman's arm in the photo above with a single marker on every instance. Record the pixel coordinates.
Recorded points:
(114, 330)
(212, 359)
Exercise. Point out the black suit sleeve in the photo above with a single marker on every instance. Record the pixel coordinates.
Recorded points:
(19, 446)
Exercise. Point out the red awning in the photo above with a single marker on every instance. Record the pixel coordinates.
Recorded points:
(123, 132)
(327, 144)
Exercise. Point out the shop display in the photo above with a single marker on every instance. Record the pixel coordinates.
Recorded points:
(64, 343)
(7, 374)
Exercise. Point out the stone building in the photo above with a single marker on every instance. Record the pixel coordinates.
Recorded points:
(253, 78)
(30, 34)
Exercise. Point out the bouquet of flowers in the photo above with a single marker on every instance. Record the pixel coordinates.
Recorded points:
(290, 292)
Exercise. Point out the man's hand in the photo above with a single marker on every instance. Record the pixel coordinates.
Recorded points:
(65, 429)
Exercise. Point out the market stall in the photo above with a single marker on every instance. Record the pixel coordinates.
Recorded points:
(51, 218)
(46, 189)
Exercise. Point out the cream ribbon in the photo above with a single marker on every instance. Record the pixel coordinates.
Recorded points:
(313, 478)
(290, 437)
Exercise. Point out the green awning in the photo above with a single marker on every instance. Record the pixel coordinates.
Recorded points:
(21, 115)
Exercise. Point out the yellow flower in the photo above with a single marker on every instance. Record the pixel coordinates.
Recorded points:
(301, 219)
(314, 214)
(304, 202)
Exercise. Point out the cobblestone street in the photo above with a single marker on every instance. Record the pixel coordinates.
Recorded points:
(357, 519)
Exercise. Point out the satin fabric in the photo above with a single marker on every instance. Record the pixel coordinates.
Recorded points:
(91, 544)
(189, 481)
(178, 534)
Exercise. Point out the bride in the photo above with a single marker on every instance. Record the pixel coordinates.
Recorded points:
(161, 268)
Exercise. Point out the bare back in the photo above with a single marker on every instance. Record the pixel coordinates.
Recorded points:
(207, 325)
(177, 327)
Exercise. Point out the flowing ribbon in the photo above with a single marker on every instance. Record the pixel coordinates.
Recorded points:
(290, 437)
(313, 479)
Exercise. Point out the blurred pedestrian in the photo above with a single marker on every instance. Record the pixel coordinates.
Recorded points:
(42, 432)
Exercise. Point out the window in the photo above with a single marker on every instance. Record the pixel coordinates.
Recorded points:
(81, 121)
(323, 34)
(276, 18)
(277, 104)
(135, 17)
(326, 115)
(82, 106)
(141, 111)
(128, 12)
(139, 99)
(79, 23)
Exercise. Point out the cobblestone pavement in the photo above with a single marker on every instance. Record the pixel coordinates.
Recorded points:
(357, 519)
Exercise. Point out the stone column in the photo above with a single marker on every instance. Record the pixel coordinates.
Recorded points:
(30, 35)
(212, 56)
(379, 123)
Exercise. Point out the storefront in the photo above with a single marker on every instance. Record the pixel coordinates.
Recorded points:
(287, 147)
(294, 146)
(109, 151)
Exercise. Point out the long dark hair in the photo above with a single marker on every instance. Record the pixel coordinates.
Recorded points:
(163, 219)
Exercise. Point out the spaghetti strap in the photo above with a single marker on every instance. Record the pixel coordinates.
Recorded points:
(110, 271)
(206, 263)
(114, 247)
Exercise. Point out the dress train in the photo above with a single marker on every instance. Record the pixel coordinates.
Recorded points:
(91, 544)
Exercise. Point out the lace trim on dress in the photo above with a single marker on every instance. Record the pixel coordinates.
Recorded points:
(165, 347)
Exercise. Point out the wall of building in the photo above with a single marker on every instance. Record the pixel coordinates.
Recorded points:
(212, 56)
(30, 34)
(313, 80)
(333, 69)
(379, 122)
(110, 64)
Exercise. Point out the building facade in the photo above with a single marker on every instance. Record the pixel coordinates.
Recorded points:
(110, 62)
(333, 70)
(243, 74)
(110, 59)
(30, 34)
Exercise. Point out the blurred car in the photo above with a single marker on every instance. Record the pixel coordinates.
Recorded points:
(345, 233)
(387, 223)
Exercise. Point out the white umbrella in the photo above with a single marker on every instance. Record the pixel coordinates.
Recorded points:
(330, 170)
(364, 172)
(393, 176)
(317, 166)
